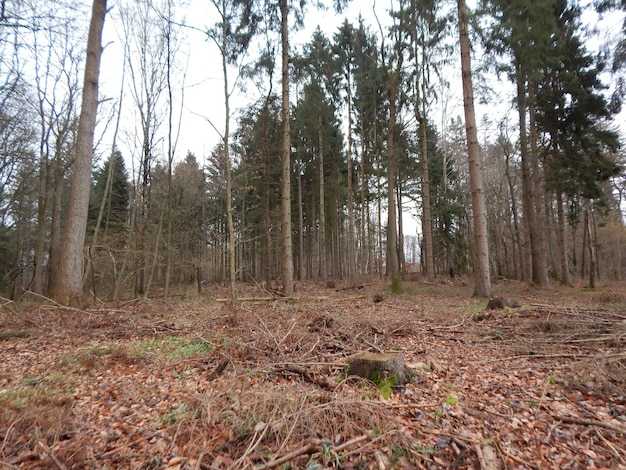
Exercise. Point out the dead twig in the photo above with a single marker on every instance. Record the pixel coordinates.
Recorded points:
(591, 422)
(308, 448)
(218, 370)
(53, 457)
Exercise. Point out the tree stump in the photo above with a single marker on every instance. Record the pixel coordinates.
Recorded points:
(497, 303)
(374, 366)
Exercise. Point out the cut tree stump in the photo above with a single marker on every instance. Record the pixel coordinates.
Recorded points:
(373, 366)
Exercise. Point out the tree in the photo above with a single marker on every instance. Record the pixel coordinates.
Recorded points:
(574, 115)
(522, 30)
(426, 29)
(69, 286)
(482, 280)
(232, 35)
(111, 194)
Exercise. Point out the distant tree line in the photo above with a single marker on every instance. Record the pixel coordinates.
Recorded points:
(317, 182)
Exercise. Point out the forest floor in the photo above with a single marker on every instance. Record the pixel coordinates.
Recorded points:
(197, 383)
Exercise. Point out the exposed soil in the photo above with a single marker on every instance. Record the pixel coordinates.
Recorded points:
(198, 383)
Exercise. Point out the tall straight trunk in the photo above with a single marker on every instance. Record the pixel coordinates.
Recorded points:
(401, 258)
(482, 280)
(232, 271)
(301, 267)
(515, 235)
(562, 241)
(351, 238)
(540, 248)
(393, 265)
(55, 228)
(322, 239)
(427, 228)
(590, 246)
(69, 286)
(364, 207)
(528, 219)
(287, 256)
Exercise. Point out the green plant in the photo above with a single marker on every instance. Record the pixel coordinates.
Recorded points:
(451, 401)
(496, 335)
(176, 346)
(437, 414)
(385, 386)
(174, 416)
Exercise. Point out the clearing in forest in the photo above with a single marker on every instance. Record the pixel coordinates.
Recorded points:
(200, 384)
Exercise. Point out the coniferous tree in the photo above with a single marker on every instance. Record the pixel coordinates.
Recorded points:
(574, 115)
(116, 202)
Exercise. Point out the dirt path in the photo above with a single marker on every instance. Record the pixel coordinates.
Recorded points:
(204, 384)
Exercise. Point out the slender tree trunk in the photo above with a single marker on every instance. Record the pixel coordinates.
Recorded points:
(562, 240)
(322, 239)
(266, 259)
(287, 255)
(590, 246)
(232, 271)
(427, 228)
(393, 263)
(528, 219)
(364, 207)
(482, 280)
(69, 287)
(54, 254)
(420, 109)
(301, 266)
(351, 238)
(540, 248)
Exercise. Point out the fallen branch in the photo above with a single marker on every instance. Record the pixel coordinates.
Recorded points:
(15, 334)
(218, 370)
(53, 457)
(255, 299)
(591, 422)
(308, 448)
(322, 382)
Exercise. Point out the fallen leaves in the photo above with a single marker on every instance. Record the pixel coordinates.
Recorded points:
(197, 385)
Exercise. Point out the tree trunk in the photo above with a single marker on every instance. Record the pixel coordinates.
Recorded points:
(482, 280)
(393, 265)
(69, 287)
(590, 247)
(528, 219)
(232, 271)
(540, 248)
(323, 272)
(351, 237)
(427, 228)
(562, 241)
(301, 266)
(363, 265)
(287, 256)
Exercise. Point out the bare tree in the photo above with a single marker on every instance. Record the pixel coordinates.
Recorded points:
(69, 287)
(482, 280)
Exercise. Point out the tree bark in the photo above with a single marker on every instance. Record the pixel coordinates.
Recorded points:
(562, 241)
(287, 255)
(540, 248)
(69, 287)
(528, 219)
(323, 272)
(482, 280)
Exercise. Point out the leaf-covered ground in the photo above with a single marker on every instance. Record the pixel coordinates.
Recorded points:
(201, 384)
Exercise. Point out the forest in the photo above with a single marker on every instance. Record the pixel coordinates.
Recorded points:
(258, 234)
(347, 131)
